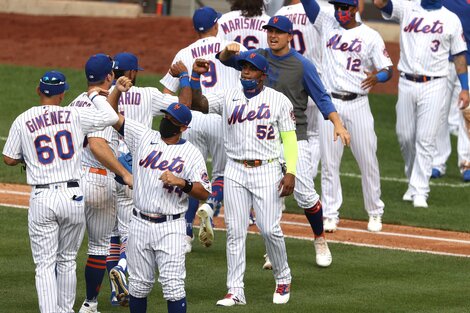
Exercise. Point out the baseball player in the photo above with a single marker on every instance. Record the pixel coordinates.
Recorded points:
(353, 51)
(443, 148)
(167, 169)
(48, 139)
(244, 24)
(297, 78)
(255, 118)
(219, 77)
(422, 87)
(99, 164)
(140, 104)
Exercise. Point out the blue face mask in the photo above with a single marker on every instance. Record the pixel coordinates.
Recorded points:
(249, 84)
(343, 17)
(431, 4)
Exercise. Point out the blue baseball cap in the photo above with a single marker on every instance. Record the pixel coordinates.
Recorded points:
(179, 112)
(280, 22)
(98, 67)
(352, 3)
(126, 61)
(53, 83)
(257, 60)
(204, 18)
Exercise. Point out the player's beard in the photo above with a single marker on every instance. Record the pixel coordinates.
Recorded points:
(168, 129)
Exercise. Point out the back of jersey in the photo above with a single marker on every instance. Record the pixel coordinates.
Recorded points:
(219, 77)
(245, 30)
(49, 138)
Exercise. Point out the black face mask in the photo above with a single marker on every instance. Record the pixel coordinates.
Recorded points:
(168, 129)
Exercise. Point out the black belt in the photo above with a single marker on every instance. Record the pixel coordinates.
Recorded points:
(159, 219)
(418, 78)
(344, 97)
(70, 184)
(253, 163)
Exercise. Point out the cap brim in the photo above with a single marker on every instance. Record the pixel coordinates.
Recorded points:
(67, 86)
(169, 113)
(272, 26)
(252, 63)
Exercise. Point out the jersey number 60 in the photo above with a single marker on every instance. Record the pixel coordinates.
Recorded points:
(63, 142)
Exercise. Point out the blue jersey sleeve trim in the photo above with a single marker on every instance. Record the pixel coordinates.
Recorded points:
(388, 8)
(315, 88)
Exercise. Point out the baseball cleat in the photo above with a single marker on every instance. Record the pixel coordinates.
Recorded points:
(188, 244)
(330, 224)
(89, 307)
(436, 173)
(118, 279)
(408, 196)
(206, 232)
(281, 294)
(230, 300)
(375, 223)
(419, 201)
(323, 254)
(267, 263)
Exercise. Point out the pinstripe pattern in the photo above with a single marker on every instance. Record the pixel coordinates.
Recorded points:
(443, 146)
(218, 78)
(313, 136)
(156, 246)
(246, 30)
(255, 188)
(160, 245)
(420, 106)
(56, 222)
(358, 120)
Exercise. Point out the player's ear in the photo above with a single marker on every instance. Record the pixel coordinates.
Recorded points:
(183, 128)
(289, 37)
(38, 91)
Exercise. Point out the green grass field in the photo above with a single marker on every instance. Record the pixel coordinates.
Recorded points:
(360, 279)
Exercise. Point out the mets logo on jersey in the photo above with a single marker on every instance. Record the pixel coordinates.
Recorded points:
(204, 177)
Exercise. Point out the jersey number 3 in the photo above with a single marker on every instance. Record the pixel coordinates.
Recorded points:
(64, 146)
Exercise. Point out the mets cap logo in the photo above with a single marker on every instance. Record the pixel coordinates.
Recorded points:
(177, 107)
(252, 56)
(275, 20)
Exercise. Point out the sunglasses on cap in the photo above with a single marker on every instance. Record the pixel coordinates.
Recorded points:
(51, 81)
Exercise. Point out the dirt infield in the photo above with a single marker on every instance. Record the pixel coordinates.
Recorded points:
(350, 232)
(69, 41)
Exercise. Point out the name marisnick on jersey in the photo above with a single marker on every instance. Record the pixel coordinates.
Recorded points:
(243, 23)
(48, 119)
(154, 161)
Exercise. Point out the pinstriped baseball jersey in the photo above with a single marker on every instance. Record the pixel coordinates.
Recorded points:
(252, 126)
(349, 54)
(83, 103)
(246, 30)
(219, 77)
(205, 133)
(50, 139)
(426, 38)
(151, 157)
(142, 104)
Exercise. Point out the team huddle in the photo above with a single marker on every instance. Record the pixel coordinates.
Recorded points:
(268, 104)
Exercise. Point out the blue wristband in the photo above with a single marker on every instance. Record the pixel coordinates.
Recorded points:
(195, 81)
(382, 76)
(184, 82)
(463, 80)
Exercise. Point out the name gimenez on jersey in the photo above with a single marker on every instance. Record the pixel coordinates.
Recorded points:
(153, 161)
(48, 119)
(242, 23)
(130, 98)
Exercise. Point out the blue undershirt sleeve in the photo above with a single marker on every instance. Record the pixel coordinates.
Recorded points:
(311, 9)
(316, 90)
(388, 8)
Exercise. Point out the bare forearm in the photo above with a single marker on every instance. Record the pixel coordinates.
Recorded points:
(199, 192)
(185, 96)
(334, 118)
(199, 101)
(380, 3)
(113, 99)
(103, 153)
(460, 63)
(10, 161)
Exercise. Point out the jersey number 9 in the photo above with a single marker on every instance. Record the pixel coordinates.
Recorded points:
(210, 77)
(64, 146)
